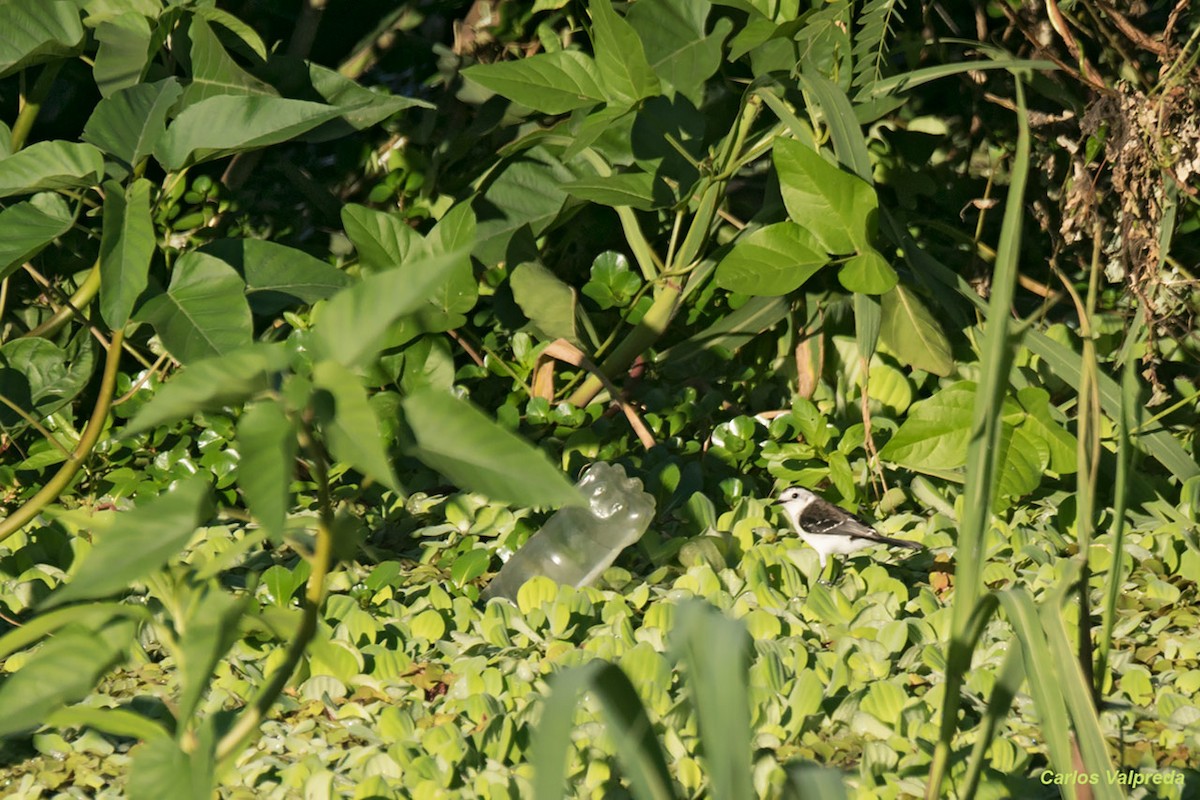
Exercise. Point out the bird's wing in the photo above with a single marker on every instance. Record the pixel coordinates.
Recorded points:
(833, 521)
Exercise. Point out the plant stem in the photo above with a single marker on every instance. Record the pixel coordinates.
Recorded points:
(91, 434)
(82, 296)
(33, 104)
(314, 596)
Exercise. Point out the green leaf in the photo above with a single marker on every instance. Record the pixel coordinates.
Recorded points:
(730, 333)
(27, 227)
(625, 74)
(1067, 365)
(361, 107)
(526, 191)
(454, 234)
(1042, 426)
(50, 166)
(36, 31)
(160, 768)
(212, 628)
(716, 652)
(469, 566)
(247, 35)
(382, 240)
(203, 312)
(40, 377)
(844, 130)
(639, 751)
(831, 203)
(549, 303)
(552, 83)
(354, 321)
(123, 52)
(111, 721)
(266, 439)
(129, 124)
(868, 273)
(937, 431)
(212, 383)
(278, 277)
(126, 247)
(228, 124)
(627, 189)
(146, 538)
(65, 669)
(470, 449)
(349, 424)
(673, 34)
(93, 616)
(214, 72)
(773, 260)
(913, 334)
(808, 781)
(612, 284)
(1023, 460)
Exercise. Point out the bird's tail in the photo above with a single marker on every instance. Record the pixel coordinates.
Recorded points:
(901, 543)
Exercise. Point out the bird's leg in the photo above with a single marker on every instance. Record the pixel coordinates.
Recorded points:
(830, 567)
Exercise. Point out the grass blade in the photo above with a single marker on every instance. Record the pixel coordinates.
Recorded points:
(984, 451)
(625, 716)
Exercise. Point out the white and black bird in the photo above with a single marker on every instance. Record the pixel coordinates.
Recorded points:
(830, 529)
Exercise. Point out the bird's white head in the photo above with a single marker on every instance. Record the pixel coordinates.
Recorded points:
(795, 499)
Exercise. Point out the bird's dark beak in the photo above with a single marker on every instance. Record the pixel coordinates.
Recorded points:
(777, 502)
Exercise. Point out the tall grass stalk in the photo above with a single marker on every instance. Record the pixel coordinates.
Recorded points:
(983, 454)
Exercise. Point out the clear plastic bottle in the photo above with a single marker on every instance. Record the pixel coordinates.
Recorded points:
(578, 543)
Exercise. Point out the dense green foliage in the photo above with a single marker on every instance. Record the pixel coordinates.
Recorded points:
(294, 355)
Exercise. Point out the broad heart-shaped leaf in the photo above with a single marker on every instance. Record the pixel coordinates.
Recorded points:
(1023, 461)
(552, 83)
(936, 433)
(672, 32)
(353, 322)
(913, 334)
(123, 53)
(625, 74)
(1040, 424)
(50, 166)
(632, 189)
(221, 126)
(145, 540)
(37, 31)
(27, 227)
(868, 272)
(63, 670)
(546, 301)
(835, 205)
(40, 377)
(266, 438)
(203, 312)
(211, 383)
(383, 240)
(214, 72)
(128, 124)
(126, 247)
(462, 443)
(773, 260)
(277, 276)
(349, 424)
